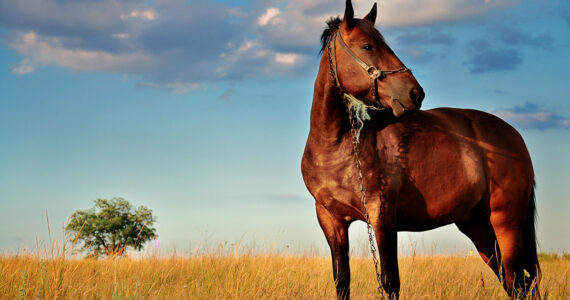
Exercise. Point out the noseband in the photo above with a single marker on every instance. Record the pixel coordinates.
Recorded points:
(373, 73)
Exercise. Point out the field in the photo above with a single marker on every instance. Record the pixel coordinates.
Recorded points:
(254, 276)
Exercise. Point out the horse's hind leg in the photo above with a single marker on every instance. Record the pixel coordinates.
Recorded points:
(336, 233)
(479, 230)
(509, 237)
(514, 228)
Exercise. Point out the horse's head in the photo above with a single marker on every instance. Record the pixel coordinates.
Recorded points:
(365, 65)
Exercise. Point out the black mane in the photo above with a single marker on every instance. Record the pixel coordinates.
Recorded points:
(333, 24)
(366, 26)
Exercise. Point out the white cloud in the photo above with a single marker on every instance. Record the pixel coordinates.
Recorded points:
(121, 35)
(147, 14)
(181, 88)
(269, 16)
(253, 58)
(176, 87)
(420, 12)
(301, 22)
(157, 40)
(125, 37)
(532, 116)
(287, 58)
(24, 67)
(50, 51)
(250, 49)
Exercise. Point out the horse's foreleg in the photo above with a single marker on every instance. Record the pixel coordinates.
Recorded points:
(384, 225)
(336, 233)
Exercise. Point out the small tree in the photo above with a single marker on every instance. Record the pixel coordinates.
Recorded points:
(111, 226)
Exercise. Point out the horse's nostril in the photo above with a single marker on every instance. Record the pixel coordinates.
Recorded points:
(417, 94)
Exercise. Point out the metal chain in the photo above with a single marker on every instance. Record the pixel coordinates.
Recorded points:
(356, 152)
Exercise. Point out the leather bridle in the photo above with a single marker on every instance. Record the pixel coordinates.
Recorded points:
(373, 72)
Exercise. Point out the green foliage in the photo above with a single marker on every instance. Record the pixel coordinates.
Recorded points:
(110, 227)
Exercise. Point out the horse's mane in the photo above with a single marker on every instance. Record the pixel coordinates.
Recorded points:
(334, 24)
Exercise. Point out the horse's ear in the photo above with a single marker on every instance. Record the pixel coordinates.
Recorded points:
(349, 14)
(371, 16)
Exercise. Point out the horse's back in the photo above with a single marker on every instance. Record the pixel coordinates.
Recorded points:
(497, 140)
(468, 128)
(456, 159)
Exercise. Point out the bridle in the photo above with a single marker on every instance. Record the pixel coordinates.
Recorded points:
(373, 72)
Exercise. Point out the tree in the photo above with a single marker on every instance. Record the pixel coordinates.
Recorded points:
(110, 227)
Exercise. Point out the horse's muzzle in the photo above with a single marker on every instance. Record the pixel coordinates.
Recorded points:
(417, 95)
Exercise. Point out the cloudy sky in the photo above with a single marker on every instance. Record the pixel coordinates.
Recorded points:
(200, 109)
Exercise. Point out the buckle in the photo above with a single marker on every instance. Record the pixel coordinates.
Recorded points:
(374, 73)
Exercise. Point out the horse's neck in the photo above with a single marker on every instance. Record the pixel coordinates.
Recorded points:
(328, 112)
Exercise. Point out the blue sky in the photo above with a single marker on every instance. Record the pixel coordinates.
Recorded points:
(200, 109)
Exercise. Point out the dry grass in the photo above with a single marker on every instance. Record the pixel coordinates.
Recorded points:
(253, 276)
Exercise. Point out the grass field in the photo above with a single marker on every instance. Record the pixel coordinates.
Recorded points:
(254, 276)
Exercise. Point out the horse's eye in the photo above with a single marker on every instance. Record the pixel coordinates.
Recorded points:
(367, 47)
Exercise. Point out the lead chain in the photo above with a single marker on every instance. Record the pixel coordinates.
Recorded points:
(355, 147)
(356, 152)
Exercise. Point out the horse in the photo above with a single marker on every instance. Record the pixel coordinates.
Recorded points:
(372, 155)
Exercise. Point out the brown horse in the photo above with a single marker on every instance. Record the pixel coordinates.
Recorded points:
(420, 169)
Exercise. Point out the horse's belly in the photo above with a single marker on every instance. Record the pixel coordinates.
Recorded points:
(420, 214)
(418, 226)
(437, 196)
(445, 180)
(409, 222)
(431, 203)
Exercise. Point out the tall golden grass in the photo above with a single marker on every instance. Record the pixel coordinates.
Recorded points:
(253, 275)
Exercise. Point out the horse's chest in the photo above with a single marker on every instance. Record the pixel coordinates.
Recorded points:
(333, 182)
(330, 174)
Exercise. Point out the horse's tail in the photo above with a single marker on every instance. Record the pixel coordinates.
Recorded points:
(530, 257)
